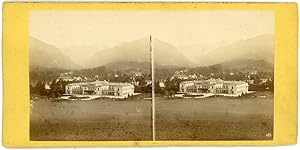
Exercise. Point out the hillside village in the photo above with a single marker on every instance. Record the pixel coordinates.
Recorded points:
(171, 84)
(69, 83)
(166, 83)
(51, 77)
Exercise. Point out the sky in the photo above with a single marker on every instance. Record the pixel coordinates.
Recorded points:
(80, 34)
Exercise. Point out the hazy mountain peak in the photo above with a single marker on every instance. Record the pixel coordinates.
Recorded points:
(260, 47)
(139, 51)
(42, 54)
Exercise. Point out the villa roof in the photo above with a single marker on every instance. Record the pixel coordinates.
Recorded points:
(214, 81)
(193, 81)
(120, 84)
(78, 83)
(235, 82)
(99, 83)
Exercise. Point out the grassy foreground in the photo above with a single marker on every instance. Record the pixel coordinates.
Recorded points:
(246, 118)
(220, 118)
(90, 120)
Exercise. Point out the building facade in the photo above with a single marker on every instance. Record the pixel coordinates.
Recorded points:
(216, 86)
(102, 88)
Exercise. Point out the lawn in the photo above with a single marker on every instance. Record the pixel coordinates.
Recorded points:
(90, 120)
(218, 118)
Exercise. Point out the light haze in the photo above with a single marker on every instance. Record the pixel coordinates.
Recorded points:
(80, 34)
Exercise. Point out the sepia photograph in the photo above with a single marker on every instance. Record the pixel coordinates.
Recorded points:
(214, 75)
(143, 75)
(90, 76)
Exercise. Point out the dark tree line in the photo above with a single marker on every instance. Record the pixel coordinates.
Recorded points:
(170, 89)
(55, 90)
(142, 87)
(172, 86)
(258, 86)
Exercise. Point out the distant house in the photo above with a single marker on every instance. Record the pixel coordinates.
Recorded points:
(216, 86)
(263, 80)
(253, 72)
(181, 76)
(66, 78)
(69, 78)
(78, 78)
(161, 83)
(137, 74)
(47, 87)
(65, 74)
(193, 76)
(148, 82)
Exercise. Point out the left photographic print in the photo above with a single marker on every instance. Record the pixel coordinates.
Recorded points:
(90, 76)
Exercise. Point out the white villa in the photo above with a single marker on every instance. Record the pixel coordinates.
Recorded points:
(101, 88)
(216, 86)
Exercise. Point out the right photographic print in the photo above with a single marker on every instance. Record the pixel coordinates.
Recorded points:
(213, 75)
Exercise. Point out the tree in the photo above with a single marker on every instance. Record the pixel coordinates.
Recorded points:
(34, 89)
(270, 85)
(172, 86)
(168, 84)
(40, 87)
(147, 88)
(142, 82)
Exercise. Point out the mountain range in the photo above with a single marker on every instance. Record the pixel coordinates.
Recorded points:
(135, 51)
(139, 51)
(135, 55)
(45, 55)
(256, 48)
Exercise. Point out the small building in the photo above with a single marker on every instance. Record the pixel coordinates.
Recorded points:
(161, 83)
(187, 86)
(193, 76)
(181, 76)
(264, 80)
(47, 87)
(148, 82)
(237, 87)
(74, 88)
(66, 79)
(77, 78)
(95, 87)
(122, 90)
(137, 74)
